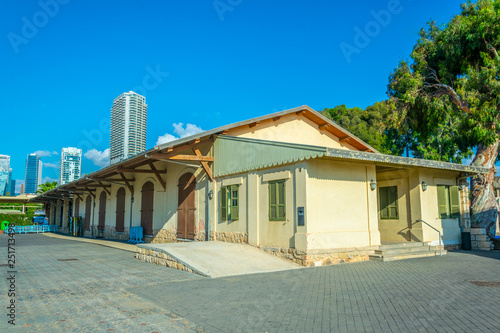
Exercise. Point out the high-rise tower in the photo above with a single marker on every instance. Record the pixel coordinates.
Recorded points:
(5, 175)
(71, 165)
(33, 174)
(128, 126)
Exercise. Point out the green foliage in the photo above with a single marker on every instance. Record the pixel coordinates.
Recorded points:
(448, 96)
(17, 219)
(372, 125)
(42, 188)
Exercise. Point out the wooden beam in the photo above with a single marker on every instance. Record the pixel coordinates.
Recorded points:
(225, 132)
(90, 192)
(254, 124)
(79, 197)
(175, 151)
(192, 158)
(323, 125)
(193, 178)
(92, 185)
(114, 179)
(298, 113)
(204, 164)
(158, 176)
(277, 118)
(345, 139)
(130, 187)
(105, 189)
(121, 170)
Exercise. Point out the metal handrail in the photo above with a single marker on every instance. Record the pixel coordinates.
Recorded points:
(439, 232)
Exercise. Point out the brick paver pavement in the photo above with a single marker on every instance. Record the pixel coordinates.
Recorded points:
(106, 289)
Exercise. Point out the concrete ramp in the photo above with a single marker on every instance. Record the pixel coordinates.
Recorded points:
(218, 259)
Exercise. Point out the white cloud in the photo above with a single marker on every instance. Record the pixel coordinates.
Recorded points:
(51, 165)
(48, 179)
(43, 153)
(165, 138)
(188, 131)
(181, 131)
(98, 158)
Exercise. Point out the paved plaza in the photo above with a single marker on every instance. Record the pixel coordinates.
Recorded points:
(107, 290)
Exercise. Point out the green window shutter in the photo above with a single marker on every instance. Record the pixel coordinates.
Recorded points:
(454, 202)
(442, 192)
(234, 202)
(277, 202)
(272, 202)
(281, 201)
(223, 203)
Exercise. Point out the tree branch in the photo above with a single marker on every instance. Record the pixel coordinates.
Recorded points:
(442, 89)
(491, 49)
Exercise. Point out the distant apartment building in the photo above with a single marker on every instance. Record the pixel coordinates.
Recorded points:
(128, 126)
(33, 176)
(71, 165)
(5, 175)
(21, 191)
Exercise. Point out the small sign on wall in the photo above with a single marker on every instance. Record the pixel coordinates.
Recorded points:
(300, 216)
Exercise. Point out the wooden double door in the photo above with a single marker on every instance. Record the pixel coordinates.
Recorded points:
(186, 207)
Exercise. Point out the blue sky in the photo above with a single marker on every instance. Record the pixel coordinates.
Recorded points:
(201, 64)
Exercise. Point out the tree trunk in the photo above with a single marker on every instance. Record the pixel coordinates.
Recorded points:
(484, 207)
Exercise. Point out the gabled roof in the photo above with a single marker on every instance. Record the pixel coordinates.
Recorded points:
(191, 141)
(304, 110)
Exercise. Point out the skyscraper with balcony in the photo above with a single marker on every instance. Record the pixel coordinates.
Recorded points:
(33, 176)
(71, 165)
(128, 126)
(5, 175)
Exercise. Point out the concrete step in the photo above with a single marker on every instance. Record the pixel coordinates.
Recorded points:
(401, 245)
(402, 256)
(402, 250)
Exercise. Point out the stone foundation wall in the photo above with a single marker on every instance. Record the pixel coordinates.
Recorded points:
(162, 236)
(229, 237)
(320, 257)
(480, 240)
(160, 258)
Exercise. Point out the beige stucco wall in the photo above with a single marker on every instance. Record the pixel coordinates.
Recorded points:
(341, 208)
(293, 129)
(254, 206)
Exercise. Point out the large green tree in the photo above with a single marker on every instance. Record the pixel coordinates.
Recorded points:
(448, 94)
(372, 125)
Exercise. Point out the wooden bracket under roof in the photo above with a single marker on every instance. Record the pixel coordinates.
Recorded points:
(345, 139)
(127, 183)
(158, 175)
(104, 187)
(204, 164)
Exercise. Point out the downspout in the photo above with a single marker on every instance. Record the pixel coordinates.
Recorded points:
(93, 213)
(131, 210)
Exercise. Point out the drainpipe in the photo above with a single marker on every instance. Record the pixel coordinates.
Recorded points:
(131, 206)
(93, 213)
(210, 195)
